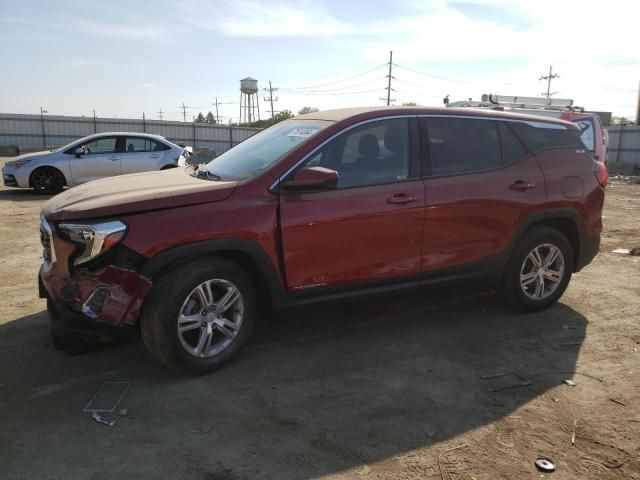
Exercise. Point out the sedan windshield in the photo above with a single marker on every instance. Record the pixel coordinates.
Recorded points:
(257, 153)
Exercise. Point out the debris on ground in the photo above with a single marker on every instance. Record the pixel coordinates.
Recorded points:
(123, 412)
(573, 435)
(627, 251)
(619, 402)
(569, 382)
(545, 465)
(202, 430)
(504, 381)
(107, 398)
(110, 422)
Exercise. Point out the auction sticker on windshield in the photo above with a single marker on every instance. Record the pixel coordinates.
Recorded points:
(302, 132)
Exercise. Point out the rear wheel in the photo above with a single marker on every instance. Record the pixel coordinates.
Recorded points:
(539, 270)
(199, 315)
(47, 180)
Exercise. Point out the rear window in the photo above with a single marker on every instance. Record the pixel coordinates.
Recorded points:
(540, 136)
(587, 135)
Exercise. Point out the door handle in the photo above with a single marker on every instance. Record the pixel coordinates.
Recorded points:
(401, 199)
(155, 156)
(113, 159)
(521, 185)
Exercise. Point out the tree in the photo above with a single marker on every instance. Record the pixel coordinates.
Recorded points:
(210, 118)
(409, 104)
(280, 116)
(199, 118)
(304, 110)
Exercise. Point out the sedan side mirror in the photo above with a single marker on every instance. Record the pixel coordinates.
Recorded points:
(312, 178)
(78, 152)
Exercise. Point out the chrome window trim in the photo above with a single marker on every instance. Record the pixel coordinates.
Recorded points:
(533, 123)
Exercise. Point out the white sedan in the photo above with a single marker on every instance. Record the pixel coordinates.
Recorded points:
(90, 158)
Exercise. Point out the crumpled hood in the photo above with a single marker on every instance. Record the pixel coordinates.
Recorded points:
(135, 193)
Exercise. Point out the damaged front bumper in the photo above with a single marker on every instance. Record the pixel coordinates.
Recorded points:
(111, 294)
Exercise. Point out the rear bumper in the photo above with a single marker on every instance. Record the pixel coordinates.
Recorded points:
(589, 247)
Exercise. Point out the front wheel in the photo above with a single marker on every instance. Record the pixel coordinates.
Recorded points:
(199, 315)
(539, 270)
(47, 180)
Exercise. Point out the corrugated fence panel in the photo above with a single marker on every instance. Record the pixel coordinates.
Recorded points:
(629, 149)
(26, 131)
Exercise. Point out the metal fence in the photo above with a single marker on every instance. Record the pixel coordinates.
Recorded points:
(29, 132)
(624, 143)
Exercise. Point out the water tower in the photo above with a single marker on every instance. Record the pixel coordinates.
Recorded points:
(249, 100)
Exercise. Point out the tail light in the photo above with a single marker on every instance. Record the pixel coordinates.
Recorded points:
(601, 174)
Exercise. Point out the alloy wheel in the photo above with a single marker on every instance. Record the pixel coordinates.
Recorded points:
(542, 271)
(210, 318)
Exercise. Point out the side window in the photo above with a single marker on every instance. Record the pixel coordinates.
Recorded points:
(140, 144)
(461, 145)
(100, 146)
(374, 153)
(587, 133)
(512, 149)
(540, 135)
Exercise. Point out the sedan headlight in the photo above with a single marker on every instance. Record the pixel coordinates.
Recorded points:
(17, 163)
(93, 238)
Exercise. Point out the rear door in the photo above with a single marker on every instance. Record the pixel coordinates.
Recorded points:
(101, 159)
(370, 227)
(479, 185)
(142, 154)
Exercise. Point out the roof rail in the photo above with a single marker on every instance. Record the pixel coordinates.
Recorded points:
(540, 103)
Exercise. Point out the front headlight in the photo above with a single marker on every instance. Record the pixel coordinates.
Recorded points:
(92, 238)
(17, 163)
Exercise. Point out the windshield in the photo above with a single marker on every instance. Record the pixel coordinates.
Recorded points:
(257, 153)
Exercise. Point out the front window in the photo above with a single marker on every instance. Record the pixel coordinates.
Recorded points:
(259, 152)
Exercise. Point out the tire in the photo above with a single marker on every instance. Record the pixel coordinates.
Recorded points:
(529, 285)
(167, 167)
(47, 180)
(175, 301)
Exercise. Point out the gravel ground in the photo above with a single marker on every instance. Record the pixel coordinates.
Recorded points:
(382, 389)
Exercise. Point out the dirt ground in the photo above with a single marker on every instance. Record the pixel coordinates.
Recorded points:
(382, 389)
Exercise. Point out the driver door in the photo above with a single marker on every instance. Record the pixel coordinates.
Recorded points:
(101, 159)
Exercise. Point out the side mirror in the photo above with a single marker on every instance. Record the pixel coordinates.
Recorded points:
(78, 152)
(312, 178)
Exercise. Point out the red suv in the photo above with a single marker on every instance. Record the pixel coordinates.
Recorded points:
(324, 206)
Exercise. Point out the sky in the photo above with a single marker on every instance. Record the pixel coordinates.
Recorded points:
(122, 58)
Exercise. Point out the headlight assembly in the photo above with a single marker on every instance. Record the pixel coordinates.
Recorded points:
(17, 163)
(93, 238)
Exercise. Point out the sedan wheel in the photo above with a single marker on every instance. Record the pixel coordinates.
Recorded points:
(47, 180)
(210, 318)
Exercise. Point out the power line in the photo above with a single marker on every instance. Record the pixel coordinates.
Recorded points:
(430, 75)
(289, 90)
(341, 80)
(336, 73)
(340, 93)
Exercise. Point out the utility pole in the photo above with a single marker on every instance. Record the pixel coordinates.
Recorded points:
(144, 123)
(638, 107)
(270, 98)
(160, 114)
(548, 78)
(389, 77)
(217, 116)
(44, 133)
(184, 112)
